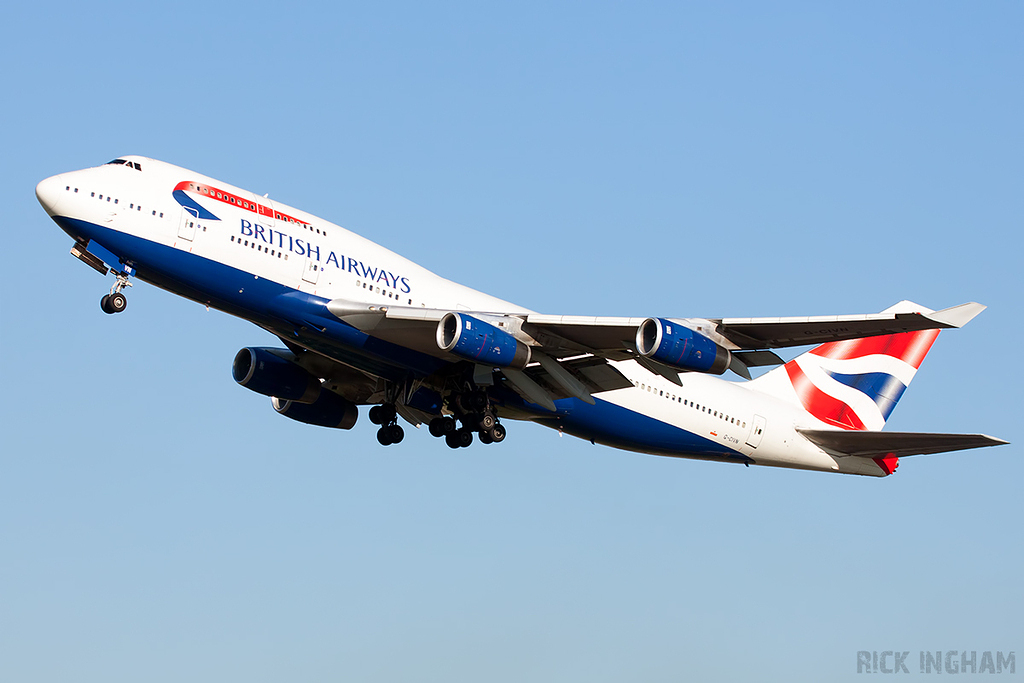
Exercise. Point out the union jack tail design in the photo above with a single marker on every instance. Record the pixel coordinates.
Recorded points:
(852, 384)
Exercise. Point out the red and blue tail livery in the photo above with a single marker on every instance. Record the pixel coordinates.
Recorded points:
(362, 327)
(856, 383)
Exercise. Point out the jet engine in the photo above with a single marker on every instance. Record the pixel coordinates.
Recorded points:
(273, 372)
(329, 410)
(476, 340)
(680, 347)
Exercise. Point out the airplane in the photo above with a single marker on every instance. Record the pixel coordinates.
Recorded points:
(362, 326)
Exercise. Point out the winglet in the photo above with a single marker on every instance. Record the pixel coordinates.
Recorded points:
(957, 316)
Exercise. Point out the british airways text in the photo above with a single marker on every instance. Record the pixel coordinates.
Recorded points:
(302, 247)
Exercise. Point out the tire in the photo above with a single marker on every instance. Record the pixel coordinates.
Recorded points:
(487, 421)
(105, 304)
(117, 302)
(395, 433)
(384, 436)
(451, 440)
(375, 416)
(479, 401)
(485, 437)
(497, 433)
(450, 426)
(436, 426)
(464, 438)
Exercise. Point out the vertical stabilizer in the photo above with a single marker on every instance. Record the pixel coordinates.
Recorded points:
(852, 384)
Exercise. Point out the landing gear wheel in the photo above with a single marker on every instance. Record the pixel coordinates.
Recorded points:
(442, 426)
(464, 438)
(105, 304)
(497, 433)
(383, 414)
(384, 436)
(395, 433)
(485, 437)
(451, 440)
(117, 302)
(487, 421)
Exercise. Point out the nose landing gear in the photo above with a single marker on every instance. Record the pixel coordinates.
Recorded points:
(115, 302)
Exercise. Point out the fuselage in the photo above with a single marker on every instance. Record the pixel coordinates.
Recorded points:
(277, 266)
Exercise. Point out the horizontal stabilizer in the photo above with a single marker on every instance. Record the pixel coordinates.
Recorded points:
(899, 444)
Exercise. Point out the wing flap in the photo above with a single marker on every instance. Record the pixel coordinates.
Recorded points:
(898, 444)
(593, 372)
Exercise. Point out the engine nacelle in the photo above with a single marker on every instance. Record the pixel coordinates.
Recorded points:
(269, 372)
(680, 347)
(472, 338)
(329, 410)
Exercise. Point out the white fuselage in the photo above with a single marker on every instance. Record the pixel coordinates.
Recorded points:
(299, 252)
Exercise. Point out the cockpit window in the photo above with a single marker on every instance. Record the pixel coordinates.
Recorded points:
(124, 162)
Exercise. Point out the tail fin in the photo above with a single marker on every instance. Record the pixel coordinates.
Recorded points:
(852, 384)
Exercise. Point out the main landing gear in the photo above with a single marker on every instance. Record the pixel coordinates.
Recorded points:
(386, 416)
(115, 302)
(474, 411)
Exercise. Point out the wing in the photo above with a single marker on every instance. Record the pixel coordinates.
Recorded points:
(739, 334)
(571, 354)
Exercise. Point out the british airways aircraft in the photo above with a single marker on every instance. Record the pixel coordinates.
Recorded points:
(361, 325)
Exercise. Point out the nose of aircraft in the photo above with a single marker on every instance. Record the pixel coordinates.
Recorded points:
(49, 193)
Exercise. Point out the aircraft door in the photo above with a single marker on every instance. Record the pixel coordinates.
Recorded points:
(187, 226)
(312, 271)
(265, 209)
(756, 431)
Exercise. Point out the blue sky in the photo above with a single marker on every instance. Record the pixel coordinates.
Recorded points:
(160, 523)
